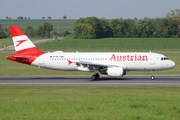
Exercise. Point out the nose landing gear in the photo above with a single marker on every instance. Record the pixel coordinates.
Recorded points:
(152, 76)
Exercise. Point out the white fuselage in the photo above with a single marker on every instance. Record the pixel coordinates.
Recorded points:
(130, 61)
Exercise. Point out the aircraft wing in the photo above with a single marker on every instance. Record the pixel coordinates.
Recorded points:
(91, 64)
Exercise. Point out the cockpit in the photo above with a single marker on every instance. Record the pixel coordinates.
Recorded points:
(164, 58)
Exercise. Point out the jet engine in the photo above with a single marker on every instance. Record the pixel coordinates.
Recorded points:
(116, 72)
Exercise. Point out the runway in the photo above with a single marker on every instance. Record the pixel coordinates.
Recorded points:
(160, 80)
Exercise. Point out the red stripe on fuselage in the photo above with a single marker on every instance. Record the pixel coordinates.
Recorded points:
(30, 53)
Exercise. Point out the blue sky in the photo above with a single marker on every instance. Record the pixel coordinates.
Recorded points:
(75, 9)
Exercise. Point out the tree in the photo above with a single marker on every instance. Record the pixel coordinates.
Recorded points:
(54, 33)
(146, 18)
(49, 17)
(171, 27)
(2, 34)
(64, 17)
(83, 31)
(43, 17)
(177, 20)
(7, 17)
(44, 30)
(121, 28)
(144, 28)
(90, 28)
(173, 13)
(20, 18)
(159, 28)
(29, 31)
(65, 32)
(106, 30)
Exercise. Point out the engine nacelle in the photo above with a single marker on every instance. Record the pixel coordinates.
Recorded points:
(116, 72)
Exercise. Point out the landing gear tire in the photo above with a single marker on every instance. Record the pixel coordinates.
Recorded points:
(95, 77)
(153, 78)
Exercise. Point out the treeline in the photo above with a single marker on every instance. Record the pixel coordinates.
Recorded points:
(43, 30)
(92, 28)
(3, 32)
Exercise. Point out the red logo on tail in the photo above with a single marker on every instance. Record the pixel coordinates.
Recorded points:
(20, 41)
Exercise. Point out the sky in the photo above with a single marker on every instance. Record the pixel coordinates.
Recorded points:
(75, 9)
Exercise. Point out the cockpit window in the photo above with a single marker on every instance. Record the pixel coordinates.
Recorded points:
(164, 58)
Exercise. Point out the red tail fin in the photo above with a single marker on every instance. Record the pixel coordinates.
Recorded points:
(22, 43)
(26, 51)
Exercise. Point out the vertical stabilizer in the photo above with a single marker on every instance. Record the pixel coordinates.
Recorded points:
(22, 43)
(26, 51)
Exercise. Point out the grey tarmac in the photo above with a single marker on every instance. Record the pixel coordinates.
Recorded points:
(129, 80)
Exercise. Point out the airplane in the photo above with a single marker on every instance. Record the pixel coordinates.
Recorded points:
(113, 64)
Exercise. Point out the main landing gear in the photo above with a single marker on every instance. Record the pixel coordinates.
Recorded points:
(95, 77)
(152, 76)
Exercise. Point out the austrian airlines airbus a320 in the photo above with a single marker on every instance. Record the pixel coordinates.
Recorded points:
(114, 64)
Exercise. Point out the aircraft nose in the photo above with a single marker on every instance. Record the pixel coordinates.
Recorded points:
(172, 64)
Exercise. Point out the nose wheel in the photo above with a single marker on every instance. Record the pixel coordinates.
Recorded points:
(152, 76)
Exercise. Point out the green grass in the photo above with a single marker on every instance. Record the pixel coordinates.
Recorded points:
(121, 41)
(108, 44)
(9, 41)
(112, 44)
(6, 41)
(89, 103)
(63, 24)
(11, 68)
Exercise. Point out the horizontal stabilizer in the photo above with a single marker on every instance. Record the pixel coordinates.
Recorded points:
(18, 57)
